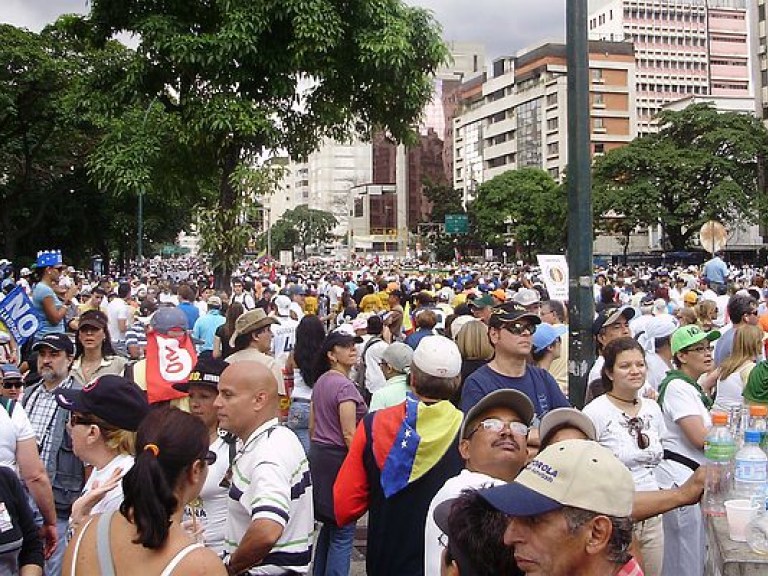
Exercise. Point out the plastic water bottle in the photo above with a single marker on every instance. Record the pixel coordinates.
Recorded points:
(719, 450)
(751, 473)
(757, 421)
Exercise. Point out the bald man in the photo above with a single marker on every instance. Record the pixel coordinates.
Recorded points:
(270, 516)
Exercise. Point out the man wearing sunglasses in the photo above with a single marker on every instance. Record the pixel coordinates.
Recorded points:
(13, 384)
(493, 446)
(510, 330)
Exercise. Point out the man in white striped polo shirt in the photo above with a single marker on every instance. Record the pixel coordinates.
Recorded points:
(271, 518)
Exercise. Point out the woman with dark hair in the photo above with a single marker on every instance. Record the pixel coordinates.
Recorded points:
(94, 355)
(631, 427)
(310, 334)
(171, 466)
(334, 412)
(49, 308)
(221, 347)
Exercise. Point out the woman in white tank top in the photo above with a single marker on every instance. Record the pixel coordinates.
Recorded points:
(146, 535)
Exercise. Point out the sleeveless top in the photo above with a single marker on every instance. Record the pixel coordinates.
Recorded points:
(104, 551)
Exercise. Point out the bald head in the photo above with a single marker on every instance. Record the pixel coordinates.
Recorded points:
(247, 398)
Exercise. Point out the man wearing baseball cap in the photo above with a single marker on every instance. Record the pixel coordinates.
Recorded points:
(570, 512)
(206, 325)
(55, 352)
(493, 445)
(415, 453)
(510, 329)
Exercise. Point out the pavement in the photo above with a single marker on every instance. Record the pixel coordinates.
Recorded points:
(357, 567)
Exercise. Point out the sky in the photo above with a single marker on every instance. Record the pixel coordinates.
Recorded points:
(503, 26)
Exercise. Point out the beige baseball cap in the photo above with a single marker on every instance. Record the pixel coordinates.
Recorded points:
(577, 473)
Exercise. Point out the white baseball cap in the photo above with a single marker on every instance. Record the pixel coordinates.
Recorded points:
(576, 473)
(437, 356)
(283, 305)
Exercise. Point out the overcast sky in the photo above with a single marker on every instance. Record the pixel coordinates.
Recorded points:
(504, 26)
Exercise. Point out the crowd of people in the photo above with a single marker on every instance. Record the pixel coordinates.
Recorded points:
(434, 401)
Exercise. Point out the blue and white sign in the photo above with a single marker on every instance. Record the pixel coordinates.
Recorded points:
(17, 314)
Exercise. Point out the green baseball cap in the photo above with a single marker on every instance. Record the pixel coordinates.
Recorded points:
(689, 335)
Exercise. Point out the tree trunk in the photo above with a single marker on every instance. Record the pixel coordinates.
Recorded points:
(227, 199)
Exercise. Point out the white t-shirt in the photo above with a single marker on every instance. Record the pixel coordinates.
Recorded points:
(374, 377)
(13, 429)
(213, 512)
(656, 369)
(296, 309)
(595, 371)
(284, 337)
(729, 390)
(680, 401)
(452, 488)
(118, 310)
(613, 432)
(114, 497)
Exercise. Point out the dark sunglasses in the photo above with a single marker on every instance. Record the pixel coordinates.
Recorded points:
(517, 328)
(209, 458)
(636, 426)
(76, 419)
(13, 384)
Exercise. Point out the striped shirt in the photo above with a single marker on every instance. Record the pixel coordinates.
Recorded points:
(270, 480)
(631, 568)
(41, 408)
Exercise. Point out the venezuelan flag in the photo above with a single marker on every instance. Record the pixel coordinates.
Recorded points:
(419, 440)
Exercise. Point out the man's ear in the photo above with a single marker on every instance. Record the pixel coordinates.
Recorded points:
(599, 534)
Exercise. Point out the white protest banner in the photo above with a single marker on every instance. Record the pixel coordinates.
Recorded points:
(554, 270)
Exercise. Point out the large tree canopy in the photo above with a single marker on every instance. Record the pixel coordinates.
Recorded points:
(526, 203)
(245, 77)
(702, 165)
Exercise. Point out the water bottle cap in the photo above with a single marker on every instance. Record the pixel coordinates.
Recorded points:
(752, 436)
(758, 410)
(719, 418)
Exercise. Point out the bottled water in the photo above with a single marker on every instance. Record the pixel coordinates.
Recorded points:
(719, 450)
(751, 473)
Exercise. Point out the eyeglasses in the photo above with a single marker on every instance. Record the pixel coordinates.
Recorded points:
(495, 425)
(209, 458)
(13, 384)
(636, 426)
(443, 539)
(699, 349)
(517, 328)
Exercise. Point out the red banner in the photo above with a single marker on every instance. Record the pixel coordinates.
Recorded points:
(169, 361)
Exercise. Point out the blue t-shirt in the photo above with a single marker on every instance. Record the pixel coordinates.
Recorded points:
(40, 293)
(191, 312)
(537, 384)
(716, 270)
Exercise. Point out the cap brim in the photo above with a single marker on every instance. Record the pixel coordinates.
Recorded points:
(40, 343)
(574, 418)
(507, 398)
(70, 399)
(514, 499)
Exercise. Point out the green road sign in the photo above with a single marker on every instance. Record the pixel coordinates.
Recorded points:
(456, 224)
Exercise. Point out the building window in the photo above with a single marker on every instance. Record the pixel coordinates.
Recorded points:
(552, 124)
(597, 75)
(551, 99)
(358, 208)
(599, 148)
(598, 125)
(598, 100)
(553, 149)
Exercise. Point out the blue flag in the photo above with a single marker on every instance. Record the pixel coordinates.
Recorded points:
(18, 314)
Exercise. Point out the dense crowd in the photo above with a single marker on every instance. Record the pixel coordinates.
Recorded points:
(154, 419)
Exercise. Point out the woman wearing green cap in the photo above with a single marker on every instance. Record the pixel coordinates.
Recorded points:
(685, 405)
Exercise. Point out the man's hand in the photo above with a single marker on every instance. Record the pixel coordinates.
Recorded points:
(50, 539)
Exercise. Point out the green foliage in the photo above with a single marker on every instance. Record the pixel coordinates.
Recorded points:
(526, 204)
(303, 226)
(241, 78)
(444, 200)
(702, 165)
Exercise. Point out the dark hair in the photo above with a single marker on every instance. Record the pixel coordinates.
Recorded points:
(433, 387)
(332, 340)
(621, 533)
(739, 306)
(234, 311)
(375, 325)
(106, 345)
(310, 334)
(476, 537)
(148, 500)
(611, 352)
(426, 319)
(98, 290)
(123, 290)
(186, 292)
(557, 307)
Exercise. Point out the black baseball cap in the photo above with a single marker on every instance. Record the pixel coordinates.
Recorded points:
(114, 399)
(509, 312)
(56, 341)
(206, 372)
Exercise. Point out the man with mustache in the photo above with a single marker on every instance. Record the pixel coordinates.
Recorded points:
(493, 445)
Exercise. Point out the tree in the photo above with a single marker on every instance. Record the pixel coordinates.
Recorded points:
(526, 203)
(444, 199)
(247, 77)
(304, 226)
(702, 165)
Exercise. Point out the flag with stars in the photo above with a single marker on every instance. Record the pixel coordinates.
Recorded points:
(421, 438)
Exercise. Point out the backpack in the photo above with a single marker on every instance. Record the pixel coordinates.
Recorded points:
(360, 366)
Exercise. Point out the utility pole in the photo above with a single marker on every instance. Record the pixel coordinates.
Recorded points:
(581, 305)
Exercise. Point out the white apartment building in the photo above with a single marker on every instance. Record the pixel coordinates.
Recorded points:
(518, 117)
(683, 48)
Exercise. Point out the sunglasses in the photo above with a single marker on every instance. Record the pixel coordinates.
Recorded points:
(209, 458)
(13, 384)
(636, 426)
(496, 426)
(517, 328)
(76, 419)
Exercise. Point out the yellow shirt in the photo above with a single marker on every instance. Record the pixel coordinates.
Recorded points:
(310, 305)
(370, 303)
(383, 300)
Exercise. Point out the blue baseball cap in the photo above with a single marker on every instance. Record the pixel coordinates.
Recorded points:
(546, 334)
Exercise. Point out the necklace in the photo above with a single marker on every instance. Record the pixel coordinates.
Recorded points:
(632, 402)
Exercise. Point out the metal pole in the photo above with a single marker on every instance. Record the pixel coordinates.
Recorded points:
(269, 232)
(581, 303)
(140, 227)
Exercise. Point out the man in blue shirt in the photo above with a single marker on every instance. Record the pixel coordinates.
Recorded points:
(205, 328)
(510, 330)
(716, 272)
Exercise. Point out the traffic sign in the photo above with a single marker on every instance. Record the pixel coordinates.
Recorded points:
(456, 224)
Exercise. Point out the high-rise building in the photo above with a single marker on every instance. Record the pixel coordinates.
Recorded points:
(682, 47)
(759, 45)
(517, 117)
